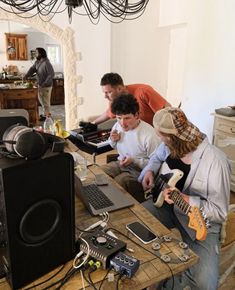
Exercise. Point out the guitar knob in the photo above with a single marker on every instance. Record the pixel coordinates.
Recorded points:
(101, 240)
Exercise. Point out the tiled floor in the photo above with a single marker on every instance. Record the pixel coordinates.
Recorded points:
(57, 112)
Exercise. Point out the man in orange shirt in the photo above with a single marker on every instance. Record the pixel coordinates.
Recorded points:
(149, 100)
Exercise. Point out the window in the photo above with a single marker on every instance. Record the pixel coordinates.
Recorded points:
(54, 53)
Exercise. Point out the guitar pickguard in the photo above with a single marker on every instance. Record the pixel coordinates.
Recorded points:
(163, 181)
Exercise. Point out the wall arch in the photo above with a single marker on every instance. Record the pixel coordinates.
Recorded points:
(65, 38)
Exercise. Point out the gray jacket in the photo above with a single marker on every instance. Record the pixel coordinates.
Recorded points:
(207, 184)
(44, 72)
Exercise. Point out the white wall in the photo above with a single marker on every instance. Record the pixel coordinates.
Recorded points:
(140, 49)
(140, 52)
(209, 59)
(93, 42)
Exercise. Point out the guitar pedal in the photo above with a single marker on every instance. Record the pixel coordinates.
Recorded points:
(125, 264)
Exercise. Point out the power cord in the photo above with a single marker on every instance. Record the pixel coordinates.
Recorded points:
(43, 282)
(104, 278)
(93, 266)
(121, 274)
(172, 275)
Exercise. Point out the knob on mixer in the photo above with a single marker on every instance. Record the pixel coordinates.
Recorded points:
(101, 240)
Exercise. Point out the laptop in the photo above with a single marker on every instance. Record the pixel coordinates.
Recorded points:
(102, 198)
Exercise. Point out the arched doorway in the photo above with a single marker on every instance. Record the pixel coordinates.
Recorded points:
(66, 39)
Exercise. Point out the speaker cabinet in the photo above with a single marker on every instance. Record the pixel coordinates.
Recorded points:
(9, 117)
(37, 220)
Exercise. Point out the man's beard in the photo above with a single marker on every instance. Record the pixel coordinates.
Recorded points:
(38, 57)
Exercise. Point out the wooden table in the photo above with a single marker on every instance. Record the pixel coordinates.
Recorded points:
(152, 269)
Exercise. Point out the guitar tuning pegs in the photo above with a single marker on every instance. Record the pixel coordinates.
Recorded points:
(202, 209)
(208, 224)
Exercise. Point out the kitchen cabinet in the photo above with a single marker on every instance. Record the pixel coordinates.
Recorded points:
(224, 138)
(57, 94)
(21, 98)
(19, 42)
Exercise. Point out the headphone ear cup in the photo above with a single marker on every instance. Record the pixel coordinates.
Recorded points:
(30, 144)
(10, 135)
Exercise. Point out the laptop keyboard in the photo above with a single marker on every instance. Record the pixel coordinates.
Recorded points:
(96, 197)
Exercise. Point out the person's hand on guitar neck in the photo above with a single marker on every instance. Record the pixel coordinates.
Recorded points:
(167, 195)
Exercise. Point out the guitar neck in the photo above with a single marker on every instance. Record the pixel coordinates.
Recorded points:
(180, 202)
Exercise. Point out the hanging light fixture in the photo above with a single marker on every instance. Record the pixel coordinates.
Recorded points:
(114, 10)
(10, 47)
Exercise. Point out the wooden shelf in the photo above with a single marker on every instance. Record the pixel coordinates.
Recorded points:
(19, 42)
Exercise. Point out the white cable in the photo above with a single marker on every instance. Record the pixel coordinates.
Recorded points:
(83, 284)
(94, 225)
(79, 255)
(106, 216)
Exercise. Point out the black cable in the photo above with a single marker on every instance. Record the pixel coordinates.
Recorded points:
(58, 281)
(66, 278)
(89, 277)
(119, 278)
(172, 275)
(104, 278)
(89, 281)
(46, 279)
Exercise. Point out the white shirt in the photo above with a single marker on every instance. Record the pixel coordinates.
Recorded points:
(138, 143)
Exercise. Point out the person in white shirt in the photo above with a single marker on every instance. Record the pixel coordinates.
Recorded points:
(135, 140)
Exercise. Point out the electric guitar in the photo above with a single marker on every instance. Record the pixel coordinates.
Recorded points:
(168, 180)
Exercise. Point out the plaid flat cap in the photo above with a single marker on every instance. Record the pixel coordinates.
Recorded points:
(173, 121)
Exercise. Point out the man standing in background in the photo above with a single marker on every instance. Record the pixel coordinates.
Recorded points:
(149, 100)
(44, 74)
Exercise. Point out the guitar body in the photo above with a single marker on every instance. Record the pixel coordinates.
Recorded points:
(167, 178)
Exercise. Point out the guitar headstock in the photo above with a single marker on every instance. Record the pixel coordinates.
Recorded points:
(197, 223)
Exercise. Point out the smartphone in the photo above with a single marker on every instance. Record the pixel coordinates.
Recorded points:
(141, 232)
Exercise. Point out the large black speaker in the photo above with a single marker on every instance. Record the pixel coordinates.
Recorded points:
(37, 220)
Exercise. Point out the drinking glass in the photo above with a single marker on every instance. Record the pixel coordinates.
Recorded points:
(80, 165)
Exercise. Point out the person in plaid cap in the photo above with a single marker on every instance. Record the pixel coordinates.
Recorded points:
(205, 184)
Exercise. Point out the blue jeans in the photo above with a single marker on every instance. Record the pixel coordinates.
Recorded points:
(205, 274)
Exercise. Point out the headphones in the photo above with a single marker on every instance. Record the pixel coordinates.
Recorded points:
(27, 143)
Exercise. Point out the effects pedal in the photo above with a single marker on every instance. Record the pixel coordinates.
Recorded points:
(122, 263)
(102, 246)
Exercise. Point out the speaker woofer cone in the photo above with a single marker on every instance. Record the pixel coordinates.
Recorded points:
(40, 222)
